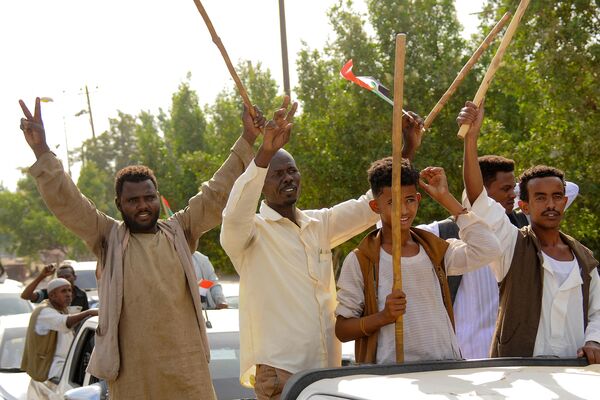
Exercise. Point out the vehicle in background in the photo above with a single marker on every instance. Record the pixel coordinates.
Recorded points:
(11, 302)
(86, 279)
(500, 378)
(231, 290)
(13, 330)
(224, 342)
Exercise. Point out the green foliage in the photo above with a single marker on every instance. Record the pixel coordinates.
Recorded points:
(344, 128)
(30, 227)
(542, 107)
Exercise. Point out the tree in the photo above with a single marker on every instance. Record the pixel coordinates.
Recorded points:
(31, 228)
(542, 107)
(343, 128)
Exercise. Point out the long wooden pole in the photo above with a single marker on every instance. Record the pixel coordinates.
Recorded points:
(217, 40)
(465, 70)
(495, 64)
(396, 182)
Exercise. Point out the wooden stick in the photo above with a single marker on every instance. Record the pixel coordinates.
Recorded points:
(495, 64)
(465, 70)
(396, 182)
(217, 40)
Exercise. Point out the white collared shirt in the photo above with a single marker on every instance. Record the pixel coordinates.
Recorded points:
(287, 287)
(560, 330)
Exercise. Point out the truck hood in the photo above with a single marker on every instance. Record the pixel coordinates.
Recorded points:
(13, 386)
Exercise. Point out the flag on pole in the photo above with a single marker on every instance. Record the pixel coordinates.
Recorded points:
(166, 207)
(366, 82)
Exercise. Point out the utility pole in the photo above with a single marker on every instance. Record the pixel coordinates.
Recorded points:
(87, 94)
(284, 52)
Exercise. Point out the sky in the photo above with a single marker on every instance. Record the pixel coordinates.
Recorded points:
(133, 54)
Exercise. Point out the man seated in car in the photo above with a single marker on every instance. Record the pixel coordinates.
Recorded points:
(49, 336)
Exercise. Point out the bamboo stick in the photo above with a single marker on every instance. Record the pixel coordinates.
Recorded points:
(465, 70)
(217, 40)
(396, 182)
(495, 64)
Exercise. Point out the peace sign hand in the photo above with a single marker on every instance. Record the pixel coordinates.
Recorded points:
(33, 128)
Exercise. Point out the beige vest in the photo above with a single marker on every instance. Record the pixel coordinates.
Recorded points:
(39, 349)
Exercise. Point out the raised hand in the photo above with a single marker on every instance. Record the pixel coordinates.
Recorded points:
(252, 126)
(473, 115)
(433, 180)
(48, 270)
(33, 128)
(412, 133)
(277, 132)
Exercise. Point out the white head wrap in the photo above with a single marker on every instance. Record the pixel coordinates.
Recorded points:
(56, 283)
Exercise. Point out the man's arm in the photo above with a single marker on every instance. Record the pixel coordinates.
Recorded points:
(238, 229)
(29, 291)
(471, 114)
(349, 324)
(61, 195)
(477, 200)
(591, 348)
(74, 319)
(350, 218)
(204, 210)
(50, 319)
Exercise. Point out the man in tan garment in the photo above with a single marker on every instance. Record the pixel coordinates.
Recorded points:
(147, 346)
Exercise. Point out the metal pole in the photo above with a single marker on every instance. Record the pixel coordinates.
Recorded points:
(284, 52)
(87, 94)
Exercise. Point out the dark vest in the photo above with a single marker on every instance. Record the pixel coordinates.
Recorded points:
(521, 294)
(367, 254)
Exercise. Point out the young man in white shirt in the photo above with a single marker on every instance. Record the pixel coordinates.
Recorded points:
(550, 289)
(368, 307)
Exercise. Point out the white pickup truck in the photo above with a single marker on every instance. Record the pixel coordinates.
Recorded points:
(489, 379)
(76, 384)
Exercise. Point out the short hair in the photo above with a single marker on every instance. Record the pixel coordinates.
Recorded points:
(133, 173)
(65, 266)
(491, 165)
(539, 171)
(380, 174)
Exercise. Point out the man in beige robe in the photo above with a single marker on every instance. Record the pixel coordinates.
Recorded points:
(151, 339)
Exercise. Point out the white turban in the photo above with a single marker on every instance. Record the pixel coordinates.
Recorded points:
(56, 283)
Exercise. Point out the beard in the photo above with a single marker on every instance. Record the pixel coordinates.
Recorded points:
(135, 227)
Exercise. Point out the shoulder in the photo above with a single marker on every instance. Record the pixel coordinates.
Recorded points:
(48, 312)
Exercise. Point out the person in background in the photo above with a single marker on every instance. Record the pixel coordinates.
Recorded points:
(49, 336)
(65, 271)
(214, 299)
